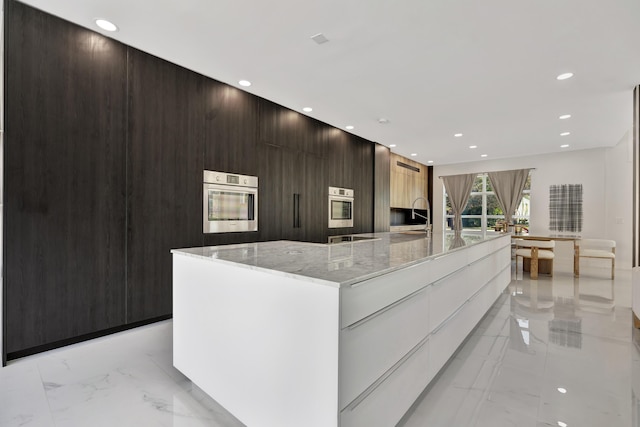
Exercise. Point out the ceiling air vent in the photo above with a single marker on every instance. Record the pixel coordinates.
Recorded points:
(319, 38)
(406, 166)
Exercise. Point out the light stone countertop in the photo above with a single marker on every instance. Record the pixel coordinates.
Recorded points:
(340, 264)
(418, 227)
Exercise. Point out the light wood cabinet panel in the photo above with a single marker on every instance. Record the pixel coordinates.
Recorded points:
(409, 180)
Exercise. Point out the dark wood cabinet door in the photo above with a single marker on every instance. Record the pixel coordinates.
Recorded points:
(64, 199)
(363, 184)
(166, 134)
(292, 203)
(339, 158)
(292, 188)
(314, 198)
(287, 128)
(279, 187)
(381, 188)
(231, 129)
(270, 192)
(292, 180)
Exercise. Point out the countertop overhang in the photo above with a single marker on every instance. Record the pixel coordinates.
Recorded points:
(340, 264)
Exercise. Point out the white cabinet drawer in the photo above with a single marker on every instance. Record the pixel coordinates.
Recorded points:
(447, 295)
(388, 401)
(374, 345)
(364, 298)
(448, 263)
(476, 252)
(447, 336)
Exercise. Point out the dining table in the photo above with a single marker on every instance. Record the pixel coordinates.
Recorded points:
(545, 265)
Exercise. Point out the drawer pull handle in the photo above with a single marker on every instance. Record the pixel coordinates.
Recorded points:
(358, 400)
(455, 313)
(385, 309)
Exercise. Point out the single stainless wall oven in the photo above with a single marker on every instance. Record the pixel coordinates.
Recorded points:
(340, 207)
(230, 202)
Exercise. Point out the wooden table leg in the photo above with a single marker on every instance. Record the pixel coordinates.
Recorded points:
(534, 263)
(576, 259)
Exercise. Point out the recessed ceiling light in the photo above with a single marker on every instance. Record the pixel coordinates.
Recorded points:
(483, 155)
(564, 76)
(564, 145)
(562, 390)
(565, 116)
(392, 145)
(414, 154)
(106, 25)
(565, 133)
(473, 146)
(383, 121)
(307, 109)
(245, 83)
(430, 161)
(458, 135)
(561, 424)
(348, 127)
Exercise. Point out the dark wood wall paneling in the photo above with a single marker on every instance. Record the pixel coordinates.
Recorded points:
(382, 194)
(103, 176)
(291, 147)
(64, 197)
(350, 162)
(165, 162)
(231, 128)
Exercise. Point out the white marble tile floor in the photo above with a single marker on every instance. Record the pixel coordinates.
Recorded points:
(553, 352)
(557, 351)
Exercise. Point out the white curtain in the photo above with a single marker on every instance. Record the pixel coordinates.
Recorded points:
(508, 186)
(458, 188)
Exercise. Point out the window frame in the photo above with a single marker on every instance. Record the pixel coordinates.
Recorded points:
(484, 218)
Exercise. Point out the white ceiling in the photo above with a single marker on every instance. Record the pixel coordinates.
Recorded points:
(433, 68)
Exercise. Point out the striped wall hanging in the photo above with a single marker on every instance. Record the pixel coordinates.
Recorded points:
(565, 207)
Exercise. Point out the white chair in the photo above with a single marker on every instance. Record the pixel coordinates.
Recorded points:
(535, 250)
(595, 248)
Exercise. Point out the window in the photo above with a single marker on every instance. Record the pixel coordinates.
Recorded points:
(483, 210)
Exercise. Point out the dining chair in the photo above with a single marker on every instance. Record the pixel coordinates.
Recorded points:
(535, 250)
(595, 248)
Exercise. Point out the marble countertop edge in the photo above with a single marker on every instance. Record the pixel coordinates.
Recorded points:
(336, 265)
(292, 275)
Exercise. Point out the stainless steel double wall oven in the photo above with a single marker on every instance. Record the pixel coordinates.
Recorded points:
(230, 202)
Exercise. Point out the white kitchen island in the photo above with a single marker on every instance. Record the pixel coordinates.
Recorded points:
(291, 334)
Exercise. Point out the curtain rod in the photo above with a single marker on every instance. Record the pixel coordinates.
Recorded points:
(478, 173)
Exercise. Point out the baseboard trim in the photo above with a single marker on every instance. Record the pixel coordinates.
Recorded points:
(86, 337)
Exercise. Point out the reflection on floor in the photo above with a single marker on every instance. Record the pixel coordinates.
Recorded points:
(552, 352)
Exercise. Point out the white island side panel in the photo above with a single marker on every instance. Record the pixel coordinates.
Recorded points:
(262, 345)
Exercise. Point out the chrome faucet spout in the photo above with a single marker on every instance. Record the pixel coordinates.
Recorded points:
(427, 227)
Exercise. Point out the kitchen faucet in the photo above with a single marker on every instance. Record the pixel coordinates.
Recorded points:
(427, 227)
